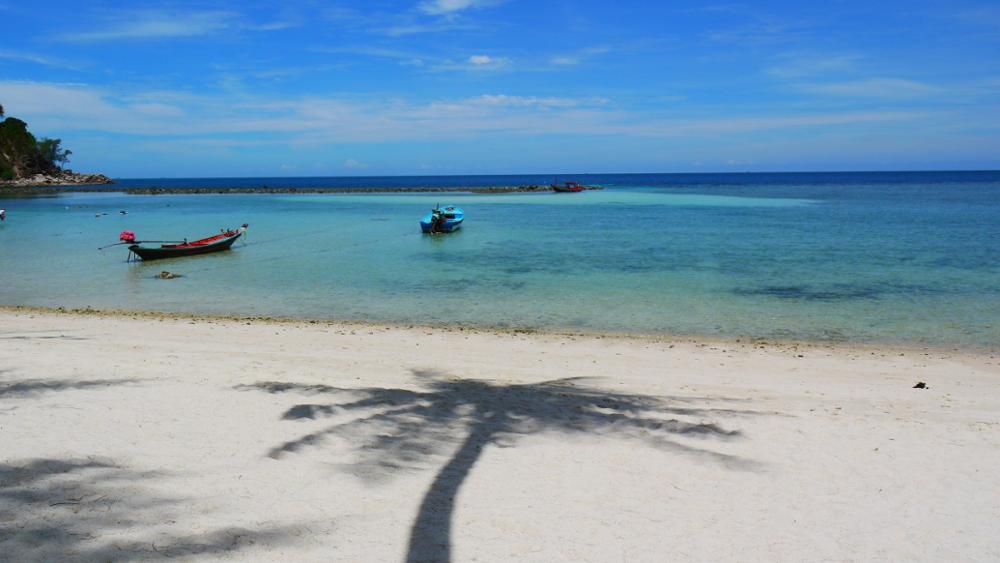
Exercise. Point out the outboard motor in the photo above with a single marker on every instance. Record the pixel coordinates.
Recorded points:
(437, 221)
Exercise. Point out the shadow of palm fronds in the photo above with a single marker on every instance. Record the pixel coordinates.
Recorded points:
(51, 337)
(80, 509)
(30, 387)
(398, 429)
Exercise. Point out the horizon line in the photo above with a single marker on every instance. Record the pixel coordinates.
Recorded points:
(570, 174)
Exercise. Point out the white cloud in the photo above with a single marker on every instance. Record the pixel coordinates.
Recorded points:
(402, 29)
(741, 124)
(473, 63)
(564, 61)
(499, 100)
(33, 58)
(427, 60)
(575, 58)
(799, 65)
(445, 7)
(354, 164)
(873, 88)
(273, 26)
(161, 24)
(71, 100)
(169, 117)
(394, 24)
(409, 58)
(151, 24)
(77, 106)
(157, 109)
(481, 59)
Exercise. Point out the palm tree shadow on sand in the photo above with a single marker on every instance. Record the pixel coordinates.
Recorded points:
(399, 429)
(92, 509)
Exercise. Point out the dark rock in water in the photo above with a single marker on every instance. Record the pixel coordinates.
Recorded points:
(165, 275)
(921, 385)
(836, 292)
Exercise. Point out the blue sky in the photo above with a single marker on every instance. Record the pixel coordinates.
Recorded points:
(181, 89)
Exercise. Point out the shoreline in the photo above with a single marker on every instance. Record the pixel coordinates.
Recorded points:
(76, 188)
(743, 342)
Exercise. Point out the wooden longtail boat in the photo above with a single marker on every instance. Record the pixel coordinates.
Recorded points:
(221, 241)
(568, 186)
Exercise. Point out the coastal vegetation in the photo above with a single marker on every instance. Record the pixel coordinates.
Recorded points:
(24, 159)
(22, 155)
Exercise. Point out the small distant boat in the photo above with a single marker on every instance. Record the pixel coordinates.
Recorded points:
(445, 219)
(568, 186)
(216, 243)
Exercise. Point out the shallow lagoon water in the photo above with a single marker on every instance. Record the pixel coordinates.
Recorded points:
(859, 260)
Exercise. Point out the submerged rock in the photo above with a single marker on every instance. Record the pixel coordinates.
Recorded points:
(165, 275)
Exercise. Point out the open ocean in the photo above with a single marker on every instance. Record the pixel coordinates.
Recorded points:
(867, 257)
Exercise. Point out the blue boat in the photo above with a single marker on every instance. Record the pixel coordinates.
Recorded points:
(445, 219)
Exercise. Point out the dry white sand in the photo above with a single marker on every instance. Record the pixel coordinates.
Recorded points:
(143, 438)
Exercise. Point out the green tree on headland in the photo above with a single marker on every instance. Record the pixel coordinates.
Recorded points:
(22, 155)
(51, 151)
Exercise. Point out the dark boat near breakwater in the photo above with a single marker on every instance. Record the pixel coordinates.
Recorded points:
(568, 186)
(216, 243)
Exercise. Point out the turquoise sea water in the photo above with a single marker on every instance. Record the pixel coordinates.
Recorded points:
(860, 257)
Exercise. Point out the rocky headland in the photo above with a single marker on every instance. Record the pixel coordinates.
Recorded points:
(56, 179)
(27, 162)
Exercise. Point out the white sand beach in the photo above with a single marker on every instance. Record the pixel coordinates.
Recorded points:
(143, 438)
